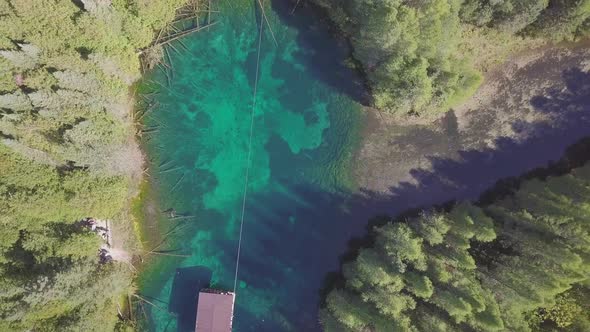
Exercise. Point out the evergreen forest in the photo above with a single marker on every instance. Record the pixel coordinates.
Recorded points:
(418, 56)
(67, 153)
(520, 263)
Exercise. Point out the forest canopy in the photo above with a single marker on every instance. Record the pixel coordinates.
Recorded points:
(66, 153)
(519, 264)
(411, 54)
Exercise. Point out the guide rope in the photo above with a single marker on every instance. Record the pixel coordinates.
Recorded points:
(248, 159)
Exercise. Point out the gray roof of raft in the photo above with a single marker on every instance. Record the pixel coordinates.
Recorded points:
(215, 311)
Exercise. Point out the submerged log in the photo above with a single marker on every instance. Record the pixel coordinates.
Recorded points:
(182, 34)
(175, 36)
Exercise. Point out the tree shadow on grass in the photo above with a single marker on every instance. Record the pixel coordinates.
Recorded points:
(477, 170)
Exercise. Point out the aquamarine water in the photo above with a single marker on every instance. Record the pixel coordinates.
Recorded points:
(197, 138)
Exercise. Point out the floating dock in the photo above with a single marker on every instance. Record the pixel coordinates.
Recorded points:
(215, 311)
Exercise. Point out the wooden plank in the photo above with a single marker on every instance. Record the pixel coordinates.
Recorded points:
(215, 311)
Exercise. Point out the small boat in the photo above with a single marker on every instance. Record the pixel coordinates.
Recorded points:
(215, 311)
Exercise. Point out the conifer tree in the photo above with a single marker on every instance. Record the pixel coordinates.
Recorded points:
(489, 269)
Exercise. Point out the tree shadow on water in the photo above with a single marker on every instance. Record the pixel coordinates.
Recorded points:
(187, 283)
(299, 235)
(323, 51)
(296, 235)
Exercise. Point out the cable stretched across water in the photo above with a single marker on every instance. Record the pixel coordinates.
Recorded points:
(248, 159)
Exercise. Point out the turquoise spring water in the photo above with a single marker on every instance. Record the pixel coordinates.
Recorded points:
(197, 143)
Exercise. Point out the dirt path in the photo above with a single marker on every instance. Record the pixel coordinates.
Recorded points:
(113, 238)
(524, 114)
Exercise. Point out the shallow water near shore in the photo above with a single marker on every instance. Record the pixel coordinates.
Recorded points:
(197, 132)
